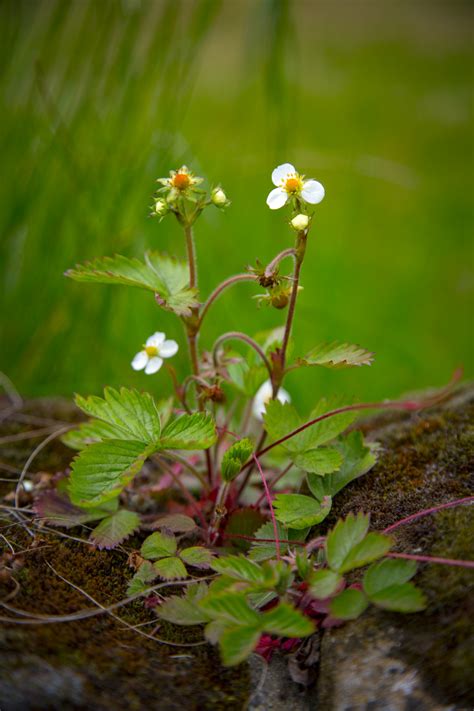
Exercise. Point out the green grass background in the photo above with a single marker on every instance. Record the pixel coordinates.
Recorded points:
(372, 98)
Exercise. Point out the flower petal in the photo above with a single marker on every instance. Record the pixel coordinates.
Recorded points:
(153, 365)
(168, 349)
(156, 339)
(262, 396)
(140, 361)
(281, 172)
(277, 198)
(283, 396)
(313, 192)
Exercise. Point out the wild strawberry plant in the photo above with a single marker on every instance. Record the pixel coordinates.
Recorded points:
(247, 477)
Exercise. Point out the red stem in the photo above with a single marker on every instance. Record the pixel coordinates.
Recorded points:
(426, 512)
(272, 513)
(432, 559)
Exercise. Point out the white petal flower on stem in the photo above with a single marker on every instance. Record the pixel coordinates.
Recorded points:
(264, 395)
(291, 184)
(155, 349)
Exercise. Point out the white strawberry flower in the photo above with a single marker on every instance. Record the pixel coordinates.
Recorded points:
(291, 184)
(264, 395)
(155, 349)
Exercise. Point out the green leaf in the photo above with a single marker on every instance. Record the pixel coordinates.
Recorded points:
(388, 572)
(102, 470)
(134, 415)
(337, 355)
(285, 621)
(115, 529)
(324, 583)
(197, 556)
(358, 458)
(235, 457)
(178, 523)
(142, 578)
(239, 568)
(281, 419)
(175, 295)
(230, 607)
(344, 536)
(197, 431)
(349, 605)
(160, 544)
(161, 275)
(237, 643)
(374, 545)
(170, 568)
(184, 610)
(300, 511)
(56, 509)
(89, 433)
(400, 598)
(319, 461)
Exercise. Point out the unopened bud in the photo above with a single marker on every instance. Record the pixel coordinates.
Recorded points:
(300, 222)
(161, 208)
(219, 198)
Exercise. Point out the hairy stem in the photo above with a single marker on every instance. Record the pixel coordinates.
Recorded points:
(237, 335)
(290, 252)
(222, 287)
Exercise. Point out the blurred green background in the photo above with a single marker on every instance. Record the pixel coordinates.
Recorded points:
(372, 98)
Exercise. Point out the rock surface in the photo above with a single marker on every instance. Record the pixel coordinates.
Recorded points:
(380, 662)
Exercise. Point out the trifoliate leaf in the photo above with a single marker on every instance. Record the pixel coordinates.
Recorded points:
(237, 643)
(235, 457)
(388, 572)
(184, 610)
(134, 415)
(170, 568)
(324, 583)
(142, 578)
(343, 537)
(374, 546)
(319, 461)
(337, 355)
(197, 431)
(357, 459)
(231, 607)
(178, 523)
(160, 274)
(102, 470)
(159, 545)
(300, 511)
(400, 598)
(285, 621)
(239, 568)
(197, 556)
(349, 605)
(115, 529)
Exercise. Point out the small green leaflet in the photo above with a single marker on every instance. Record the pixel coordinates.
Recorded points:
(235, 457)
(319, 461)
(115, 529)
(239, 567)
(230, 607)
(267, 549)
(386, 585)
(160, 274)
(324, 583)
(90, 433)
(372, 547)
(184, 610)
(102, 470)
(197, 556)
(170, 568)
(237, 643)
(299, 511)
(197, 431)
(346, 534)
(285, 621)
(159, 545)
(400, 598)
(142, 578)
(349, 605)
(337, 355)
(178, 523)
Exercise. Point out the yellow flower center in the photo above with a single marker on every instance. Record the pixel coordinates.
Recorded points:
(151, 351)
(181, 181)
(293, 185)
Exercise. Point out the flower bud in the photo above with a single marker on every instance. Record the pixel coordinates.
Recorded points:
(161, 208)
(300, 222)
(218, 197)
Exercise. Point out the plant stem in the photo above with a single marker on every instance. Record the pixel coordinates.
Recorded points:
(432, 559)
(290, 252)
(219, 289)
(237, 335)
(273, 482)
(191, 249)
(272, 513)
(426, 512)
(187, 494)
